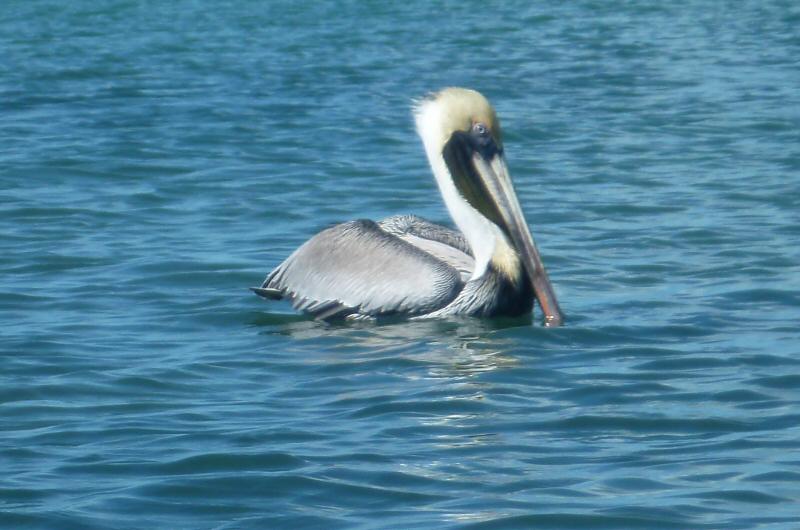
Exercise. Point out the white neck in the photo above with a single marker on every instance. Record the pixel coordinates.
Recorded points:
(481, 234)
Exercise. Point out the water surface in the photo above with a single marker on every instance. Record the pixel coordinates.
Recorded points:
(156, 160)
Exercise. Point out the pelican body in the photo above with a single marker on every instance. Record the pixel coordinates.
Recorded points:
(407, 266)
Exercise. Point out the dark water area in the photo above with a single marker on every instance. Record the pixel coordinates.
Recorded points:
(156, 159)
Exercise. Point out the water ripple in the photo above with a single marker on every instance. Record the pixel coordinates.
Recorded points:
(159, 159)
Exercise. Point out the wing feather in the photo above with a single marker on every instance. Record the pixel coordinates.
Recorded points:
(417, 226)
(440, 241)
(357, 268)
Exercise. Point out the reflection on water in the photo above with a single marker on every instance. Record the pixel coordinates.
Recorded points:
(442, 361)
(455, 347)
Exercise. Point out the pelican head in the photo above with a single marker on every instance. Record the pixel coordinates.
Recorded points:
(463, 141)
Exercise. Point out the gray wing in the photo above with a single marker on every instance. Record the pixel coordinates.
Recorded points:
(441, 242)
(357, 269)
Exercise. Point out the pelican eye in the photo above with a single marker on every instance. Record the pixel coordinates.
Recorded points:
(482, 140)
(480, 129)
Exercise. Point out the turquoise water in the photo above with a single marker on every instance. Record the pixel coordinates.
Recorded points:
(156, 159)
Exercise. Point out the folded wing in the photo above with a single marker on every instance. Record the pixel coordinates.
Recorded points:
(359, 269)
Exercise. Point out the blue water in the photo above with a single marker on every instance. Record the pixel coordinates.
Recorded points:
(157, 158)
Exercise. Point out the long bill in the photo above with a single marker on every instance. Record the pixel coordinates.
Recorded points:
(494, 174)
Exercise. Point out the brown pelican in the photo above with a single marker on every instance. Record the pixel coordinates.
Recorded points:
(405, 265)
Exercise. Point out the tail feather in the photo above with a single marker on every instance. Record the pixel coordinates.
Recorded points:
(268, 293)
